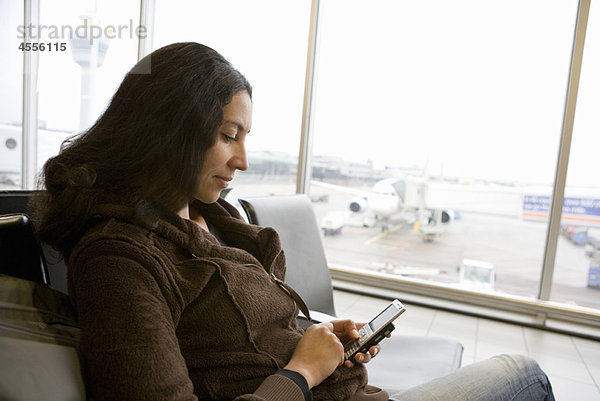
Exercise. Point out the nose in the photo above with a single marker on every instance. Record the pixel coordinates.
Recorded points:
(239, 160)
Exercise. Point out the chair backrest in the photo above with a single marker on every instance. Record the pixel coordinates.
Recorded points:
(17, 201)
(293, 217)
(22, 254)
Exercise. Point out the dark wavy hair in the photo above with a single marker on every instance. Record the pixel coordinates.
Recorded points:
(146, 148)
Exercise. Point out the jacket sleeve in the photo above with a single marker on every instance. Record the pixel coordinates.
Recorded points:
(128, 330)
(275, 388)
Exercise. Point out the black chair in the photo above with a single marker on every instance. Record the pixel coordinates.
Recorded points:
(17, 202)
(39, 336)
(22, 255)
(406, 361)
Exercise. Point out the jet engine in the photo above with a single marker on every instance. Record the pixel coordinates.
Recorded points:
(447, 216)
(358, 204)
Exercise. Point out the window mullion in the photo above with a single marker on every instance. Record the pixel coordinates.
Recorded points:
(145, 44)
(30, 100)
(304, 173)
(564, 151)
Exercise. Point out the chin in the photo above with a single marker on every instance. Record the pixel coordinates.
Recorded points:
(206, 198)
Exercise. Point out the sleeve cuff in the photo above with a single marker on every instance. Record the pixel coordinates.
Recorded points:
(278, 387)
(299, 380)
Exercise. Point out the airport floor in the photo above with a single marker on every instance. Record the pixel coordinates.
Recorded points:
(572, 363)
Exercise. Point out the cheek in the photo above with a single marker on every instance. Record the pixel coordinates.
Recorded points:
(214, 158)
(223, 157)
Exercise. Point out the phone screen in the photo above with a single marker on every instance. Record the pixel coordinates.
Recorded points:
(382, 318)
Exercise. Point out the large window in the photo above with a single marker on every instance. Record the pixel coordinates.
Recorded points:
(577, 273)
(79, 53)
(435, 126)
(266, 41)
(435, 111)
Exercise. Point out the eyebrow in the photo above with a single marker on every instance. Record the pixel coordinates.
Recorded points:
(239, 125)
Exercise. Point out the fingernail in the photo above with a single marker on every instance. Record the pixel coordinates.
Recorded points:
(375, 352)
(355, 333)
(360, 358)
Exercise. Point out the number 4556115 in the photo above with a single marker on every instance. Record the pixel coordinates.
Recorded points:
(50, 46)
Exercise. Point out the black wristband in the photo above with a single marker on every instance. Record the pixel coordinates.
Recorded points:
(299, 380)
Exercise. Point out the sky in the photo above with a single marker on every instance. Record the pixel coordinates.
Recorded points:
(471, 89)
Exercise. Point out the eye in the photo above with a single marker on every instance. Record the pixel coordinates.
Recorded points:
(228, 138)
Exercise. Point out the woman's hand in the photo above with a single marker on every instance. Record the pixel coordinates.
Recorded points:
(347, 330)
(318, 354)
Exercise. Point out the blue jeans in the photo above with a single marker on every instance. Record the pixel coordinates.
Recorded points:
(501, 378)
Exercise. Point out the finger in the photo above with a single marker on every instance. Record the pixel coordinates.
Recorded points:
(350, 329)
(329, 325)
(374, 350)
(362, 358)
(346, 329)
(348, 363)
(339, 325)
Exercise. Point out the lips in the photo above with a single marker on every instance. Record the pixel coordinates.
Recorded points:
(223, 181)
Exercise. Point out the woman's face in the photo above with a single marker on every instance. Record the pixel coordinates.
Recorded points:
(228, 154)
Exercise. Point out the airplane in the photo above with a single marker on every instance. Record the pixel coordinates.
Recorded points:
(391, 198)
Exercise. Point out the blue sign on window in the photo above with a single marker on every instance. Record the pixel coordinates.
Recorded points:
(584, 207)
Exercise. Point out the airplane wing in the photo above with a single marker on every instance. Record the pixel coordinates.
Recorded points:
(340, 188)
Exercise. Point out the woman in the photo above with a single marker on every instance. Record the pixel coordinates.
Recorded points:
(177, 297)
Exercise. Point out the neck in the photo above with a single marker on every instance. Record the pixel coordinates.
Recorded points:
(194, 216)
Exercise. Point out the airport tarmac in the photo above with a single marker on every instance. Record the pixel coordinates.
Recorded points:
(514, 246)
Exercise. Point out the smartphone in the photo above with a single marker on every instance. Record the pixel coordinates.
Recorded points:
(374, 331)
